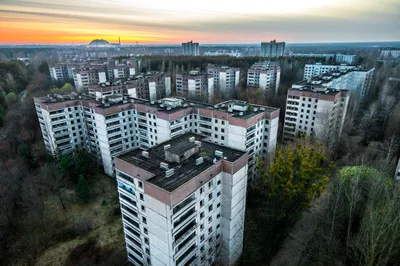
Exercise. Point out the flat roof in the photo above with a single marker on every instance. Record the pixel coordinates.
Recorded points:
(185, 170)
(158, 104)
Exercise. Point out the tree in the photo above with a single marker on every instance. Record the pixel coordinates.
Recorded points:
(296, 176)
(163, 66)
(83, 190)
(53, 180)
(11, 98)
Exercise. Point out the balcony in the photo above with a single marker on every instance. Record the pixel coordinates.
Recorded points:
(191, 213)
(176, 210)
(184, 233)
(185, 257)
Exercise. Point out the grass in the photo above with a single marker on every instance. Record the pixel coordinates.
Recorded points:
(95, 223)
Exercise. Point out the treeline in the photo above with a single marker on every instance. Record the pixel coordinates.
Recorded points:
(362, 223)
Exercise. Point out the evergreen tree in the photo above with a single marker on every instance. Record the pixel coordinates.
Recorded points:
(83, 190)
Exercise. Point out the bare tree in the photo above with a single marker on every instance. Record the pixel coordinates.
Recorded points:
(53, 180)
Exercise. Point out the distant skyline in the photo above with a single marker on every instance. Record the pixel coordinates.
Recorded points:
(177, 21)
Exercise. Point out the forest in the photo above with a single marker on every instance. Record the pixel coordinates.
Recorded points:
(344, 194)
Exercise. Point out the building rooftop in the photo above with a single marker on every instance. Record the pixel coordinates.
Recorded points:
(235, 108)
(265, 65)
(187, 168)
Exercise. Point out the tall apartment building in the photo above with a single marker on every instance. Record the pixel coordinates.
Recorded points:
(345, 58)
(85, 76)
(272, 49)
(190, 48)
(195, 86)
(312, 108)
(225, 80)
(119, 71)
(265, 75)
(151, 86)
(390, 53)
(312, 70)
(58, 72)
(113, 125)
(343, 77)
(183, 202)
(339, 58)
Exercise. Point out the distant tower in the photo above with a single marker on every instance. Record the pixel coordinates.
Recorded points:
(119, 40)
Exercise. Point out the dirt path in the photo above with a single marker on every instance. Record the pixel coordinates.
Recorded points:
(297, 241)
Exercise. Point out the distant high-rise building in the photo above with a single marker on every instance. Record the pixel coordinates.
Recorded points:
(313, 109)
(272, 49)
(195, 86)
(345, 58)
(339, 58)
(342, 77)
(312, 70)
(265, 75)
(58, 72)
(190, 48)
(390, 53)
(225, 80)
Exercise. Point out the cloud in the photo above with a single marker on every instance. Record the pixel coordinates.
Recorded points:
(338, 20)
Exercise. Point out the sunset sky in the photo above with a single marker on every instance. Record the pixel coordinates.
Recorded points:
(205, 21)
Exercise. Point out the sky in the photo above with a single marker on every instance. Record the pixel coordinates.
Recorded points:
(204, 21)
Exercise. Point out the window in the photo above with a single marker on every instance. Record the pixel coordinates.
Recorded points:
(143, 208)
(201, 226)
(201, 215)
(201, 190)
(222, 130)
(141, 196)
(202, 249)
(201, 203)
(218, 226)
(210, 208)
(144, 220)
(219, 193)
(210, 219)
(210, 196)
(140, 183)
(201, 240)
(218, 215)
(222, 138)
(223, 122)
(215, 128)
(210, 230)
(219, 182)
(145, 230)
(210, 184)
(218, 205)
(146, 240)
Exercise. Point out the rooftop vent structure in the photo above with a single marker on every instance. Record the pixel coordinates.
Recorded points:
(199, 160)
(168, 108)
(192, 139)
(241, 113)
(166, 147)
(145, 154)
(198, 143)
(169, 172)
(219, 154)
(164, 166)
